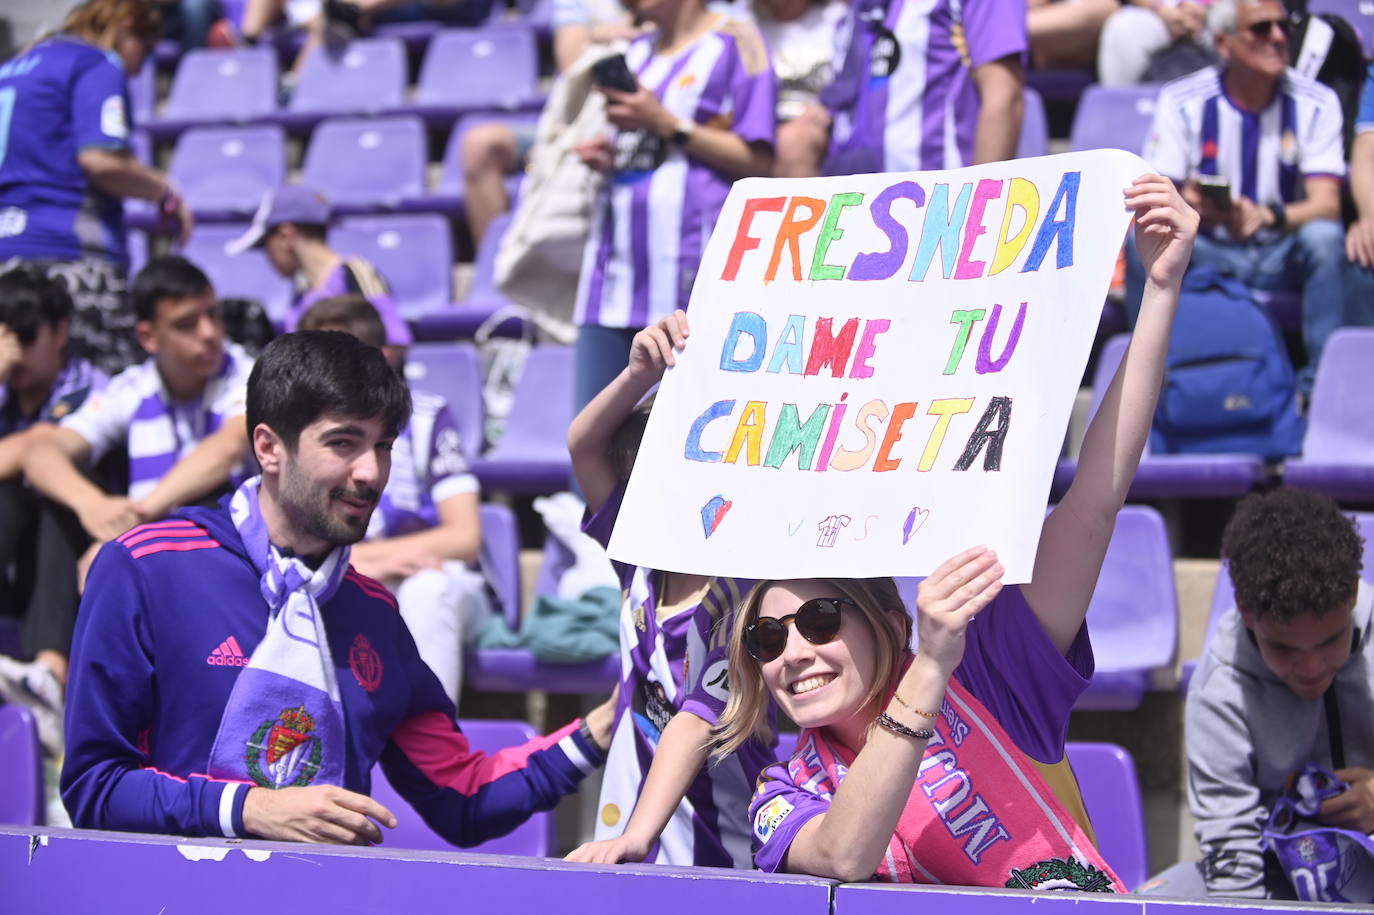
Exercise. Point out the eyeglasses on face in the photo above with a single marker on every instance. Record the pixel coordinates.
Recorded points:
(818, 621)
(1263, 30)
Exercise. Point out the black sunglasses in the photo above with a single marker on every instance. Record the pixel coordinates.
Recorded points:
(818, 621)
(1262, 30)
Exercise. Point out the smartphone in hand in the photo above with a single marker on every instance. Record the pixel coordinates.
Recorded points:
(1216, 190)
(614, 73)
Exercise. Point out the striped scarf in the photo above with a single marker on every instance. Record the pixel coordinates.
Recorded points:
(284, 724)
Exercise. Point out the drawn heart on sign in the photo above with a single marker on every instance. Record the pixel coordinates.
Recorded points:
(914, 520)
(713, 512)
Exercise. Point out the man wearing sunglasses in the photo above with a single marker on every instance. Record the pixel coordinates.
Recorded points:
(1257, 149)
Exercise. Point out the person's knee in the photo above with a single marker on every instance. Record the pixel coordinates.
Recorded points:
(487, 148)
(1322, 238)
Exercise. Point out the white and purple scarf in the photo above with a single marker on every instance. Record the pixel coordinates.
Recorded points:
(284, 724)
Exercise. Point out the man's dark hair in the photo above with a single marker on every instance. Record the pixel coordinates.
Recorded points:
(166, 278)
(353, 314)
(28, 299)
(1291, 553)
(309, 374)
(312, 230)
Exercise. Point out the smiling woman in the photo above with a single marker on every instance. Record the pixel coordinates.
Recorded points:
(946, 765)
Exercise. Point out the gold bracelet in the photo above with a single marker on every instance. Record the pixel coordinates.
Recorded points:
(915, 711)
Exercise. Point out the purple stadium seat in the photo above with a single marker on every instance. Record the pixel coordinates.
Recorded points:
(1111, 793)
(1359, 13)
(1060, 85)
(515, 669)
(1224, 597)
(143, 93)
(366, 76)
(219, 87)
(224, 171)
(1170, 476)
(1035, 129)
(1338, 450)
(21, 768)
(414, 253)
(1133, 615)
(483, 298)
(245, 276)
(447, 196)
(453, 370)
(416, 36)
(1113, 117)
(533, 838)
(532, 455)
(363, 165)
(507, 58)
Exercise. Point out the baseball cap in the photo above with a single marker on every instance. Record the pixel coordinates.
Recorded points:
(288, 203)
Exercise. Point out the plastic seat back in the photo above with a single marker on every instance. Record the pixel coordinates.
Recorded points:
(1111, 793)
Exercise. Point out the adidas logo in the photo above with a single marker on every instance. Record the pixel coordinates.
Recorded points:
(228, 654)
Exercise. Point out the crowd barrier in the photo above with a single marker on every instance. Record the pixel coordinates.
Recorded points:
(60, 871)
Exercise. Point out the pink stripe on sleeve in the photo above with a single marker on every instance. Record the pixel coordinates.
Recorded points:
(435, 746)
(153, 535)
(154, 526)
(179, 546)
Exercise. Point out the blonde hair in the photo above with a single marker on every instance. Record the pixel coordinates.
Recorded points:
(745, 712)
(94, 19)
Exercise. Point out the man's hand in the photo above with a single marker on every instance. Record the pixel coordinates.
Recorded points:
(610, 851)
(317, 813)
(1353, 809)
(1183, 19)
(106, 517)
(1359, 242)
(1247, 218)
(11, 351)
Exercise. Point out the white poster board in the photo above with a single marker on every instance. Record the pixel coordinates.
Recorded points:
(880, 371)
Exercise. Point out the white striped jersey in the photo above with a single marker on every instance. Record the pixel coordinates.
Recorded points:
(659, 206)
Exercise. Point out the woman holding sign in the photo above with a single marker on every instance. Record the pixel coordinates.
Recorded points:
(692, 101)
(945, 766)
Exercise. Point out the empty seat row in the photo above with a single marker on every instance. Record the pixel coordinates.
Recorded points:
(463, 70)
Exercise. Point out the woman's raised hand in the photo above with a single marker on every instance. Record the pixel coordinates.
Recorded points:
(1165, 227)
(655, 348)
(947, 600)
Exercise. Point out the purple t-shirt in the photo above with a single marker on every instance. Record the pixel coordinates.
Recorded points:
(904, 99)
(678, 663)
(58, 98)
(355, 276)
(427, 467)
(1010, 665)
(659, 207)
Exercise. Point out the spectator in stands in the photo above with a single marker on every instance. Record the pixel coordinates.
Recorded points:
(38, 383)
(67, 167)
(1359, 238)
(195, 760)
(801, 41)
(859, 801)
(924, 86)
(1064, 33)
(640, 260)
(188, 21)
(290, 226)
(493, 150)
(179, 415)
(1138, 31)
(425, 535)
(1273, 139)
(1287, 679)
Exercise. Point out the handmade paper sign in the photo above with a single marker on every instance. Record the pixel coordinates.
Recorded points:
(880, 371)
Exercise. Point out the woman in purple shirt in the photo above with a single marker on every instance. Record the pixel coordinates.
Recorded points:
(700, 116)
(945, 788)
(66, 164)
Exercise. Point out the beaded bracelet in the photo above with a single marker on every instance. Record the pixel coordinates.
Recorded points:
(892, 724)
(915, 711)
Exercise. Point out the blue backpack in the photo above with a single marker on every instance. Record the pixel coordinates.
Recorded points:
(1228, 384)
